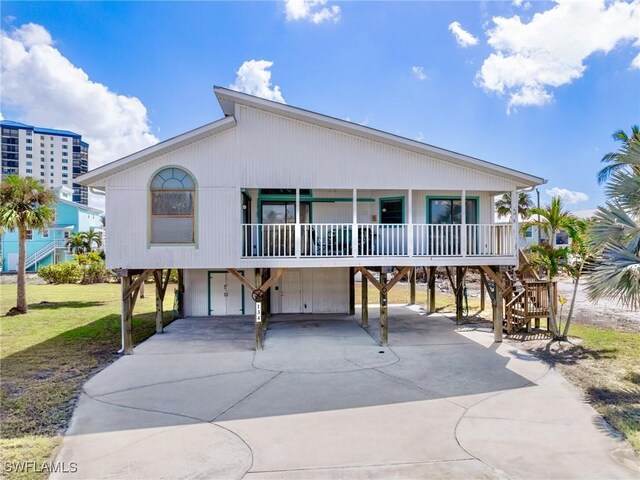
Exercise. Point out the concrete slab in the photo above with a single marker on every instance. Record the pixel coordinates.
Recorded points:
(320, 401)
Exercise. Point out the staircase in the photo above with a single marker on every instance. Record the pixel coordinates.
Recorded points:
(42, 253)
(526, 297)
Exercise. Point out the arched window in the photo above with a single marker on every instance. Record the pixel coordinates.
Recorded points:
(173, 194)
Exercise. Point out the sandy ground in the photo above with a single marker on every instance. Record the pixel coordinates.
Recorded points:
(605, 314)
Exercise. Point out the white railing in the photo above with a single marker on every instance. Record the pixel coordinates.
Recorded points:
(326, 239)
(268, 240)
(490, 240)
(40, 254)
(436, 240)
(382, 240)
(376, 240)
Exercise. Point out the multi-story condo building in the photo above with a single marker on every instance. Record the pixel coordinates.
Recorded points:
(55, 157)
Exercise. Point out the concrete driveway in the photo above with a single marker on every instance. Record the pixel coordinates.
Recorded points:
(323, 400)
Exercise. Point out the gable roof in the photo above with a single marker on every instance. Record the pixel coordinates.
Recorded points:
(229, 99)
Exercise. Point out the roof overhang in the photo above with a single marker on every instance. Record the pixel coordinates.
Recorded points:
(95, 178)
(228, 99)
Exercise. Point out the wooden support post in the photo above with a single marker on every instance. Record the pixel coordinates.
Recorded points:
(498, 313)
(180, 293)
(458, 293)
(365, 301)
(384, 312)
(352, 291)
(432, 289)
(258, 320)
(127, 338)
(412, 287)
(161, 282)
(483, 287)
(157, 276)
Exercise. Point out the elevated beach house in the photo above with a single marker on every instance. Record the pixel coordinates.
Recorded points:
(273, 209)
(45, 247)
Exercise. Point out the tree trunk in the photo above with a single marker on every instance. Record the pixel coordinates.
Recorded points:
(573, 301)
(21, 301)
(552, 311)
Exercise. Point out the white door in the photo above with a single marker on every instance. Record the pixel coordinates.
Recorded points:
(291, 292)
(225, 294)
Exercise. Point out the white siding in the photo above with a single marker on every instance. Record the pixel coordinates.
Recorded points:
(197, 291)
(266, 150)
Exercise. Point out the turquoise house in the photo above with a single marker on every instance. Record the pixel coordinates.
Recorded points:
(45, 247)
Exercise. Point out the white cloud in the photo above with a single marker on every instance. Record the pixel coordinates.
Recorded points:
(568, 196)
(253, 77)
(530, 59)
(521, 4)
(314, 11)
(419, 72)
(464, 38)
(635, 63)
(46, 89)
(419, 137)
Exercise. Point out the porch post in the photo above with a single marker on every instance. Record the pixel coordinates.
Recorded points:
(463, 233)
(410, 226)
(483, 287)
(412, 287)
(352, 291)
(297, 231)
(384, 311)
(514, 219)
(365, 300)
(354, 224)
(258, 320)
(127, 339)
(432, 289)
(498, 312)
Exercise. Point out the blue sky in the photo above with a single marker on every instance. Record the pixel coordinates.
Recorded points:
(553, 117)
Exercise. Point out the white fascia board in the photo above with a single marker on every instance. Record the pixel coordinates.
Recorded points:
(95, 178)
(229, 98)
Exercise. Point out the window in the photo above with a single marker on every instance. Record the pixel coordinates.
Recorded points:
(65, 139)
(44, 233)
(29, 140)
(29, 149)
(449, 210)
(29, 170)
(65, 160)
(562, 238)
(42, 145)
(29, 155)
(29, 163)
(65, 175)
(65, 182)
(41, 152)
(528, 232)
(66, 235)
(64, 147)
(29, 234)
(172, 207)
(29, 133)
(65, 154)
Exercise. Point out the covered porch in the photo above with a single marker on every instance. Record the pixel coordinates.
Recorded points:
(373, 227)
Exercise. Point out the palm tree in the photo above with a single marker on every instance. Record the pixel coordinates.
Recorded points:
(25, 204)
(91, 237)
(615, 233)
(503, 205)
(551, 220)
(76, 243)
(614, 158)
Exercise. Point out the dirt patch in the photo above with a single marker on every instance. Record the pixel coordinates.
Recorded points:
(605, 313)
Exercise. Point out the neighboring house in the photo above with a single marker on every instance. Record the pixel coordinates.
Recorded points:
(303, 197)
(45, 247)
(55, 157)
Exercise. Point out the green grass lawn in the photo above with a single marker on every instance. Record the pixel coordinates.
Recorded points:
(606, 366)
(70, 332)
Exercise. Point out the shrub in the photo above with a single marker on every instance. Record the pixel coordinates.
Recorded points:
(96, 272)
(65, 272)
